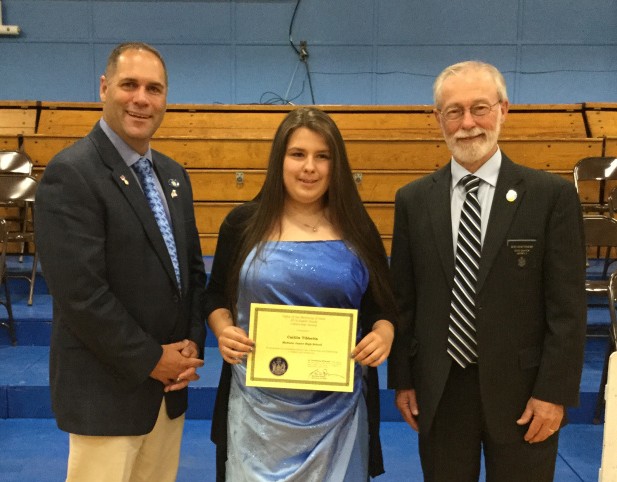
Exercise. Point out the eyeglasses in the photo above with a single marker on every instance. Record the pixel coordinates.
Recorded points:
(476, 110)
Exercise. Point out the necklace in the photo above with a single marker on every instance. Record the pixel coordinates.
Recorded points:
(314, 227)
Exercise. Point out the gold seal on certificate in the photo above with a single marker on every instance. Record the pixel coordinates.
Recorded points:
(302, 347)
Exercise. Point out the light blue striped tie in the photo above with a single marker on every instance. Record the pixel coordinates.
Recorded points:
(144, 172)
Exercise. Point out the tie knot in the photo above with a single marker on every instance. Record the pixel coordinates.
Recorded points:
(142, 165)
(471, 183)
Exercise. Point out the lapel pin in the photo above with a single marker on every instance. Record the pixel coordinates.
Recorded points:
(511, 195)
(124, 180)
(174, 193)
(173, 183)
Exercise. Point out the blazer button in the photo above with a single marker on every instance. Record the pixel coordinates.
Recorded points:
(176, 298)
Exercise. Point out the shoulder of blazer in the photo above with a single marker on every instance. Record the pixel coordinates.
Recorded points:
(531, 175)
(85, 153)
(102, 143)
(84, 146)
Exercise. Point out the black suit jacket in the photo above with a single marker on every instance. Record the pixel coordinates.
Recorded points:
(531, 306)
(115, 297)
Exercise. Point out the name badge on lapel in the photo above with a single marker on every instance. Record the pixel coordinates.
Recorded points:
(522, 248)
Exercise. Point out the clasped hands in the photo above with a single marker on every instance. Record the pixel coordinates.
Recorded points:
(178, 365)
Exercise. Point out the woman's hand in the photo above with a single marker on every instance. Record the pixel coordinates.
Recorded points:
(234, 344)
(374, 348)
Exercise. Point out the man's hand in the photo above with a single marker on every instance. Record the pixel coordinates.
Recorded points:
(178, 365)
(408, 406)
(191, 350)
(545, 418)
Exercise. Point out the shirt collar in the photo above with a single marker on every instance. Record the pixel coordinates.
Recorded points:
(488, 172)
(128, 154)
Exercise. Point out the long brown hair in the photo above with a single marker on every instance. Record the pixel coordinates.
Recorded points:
(346, 211)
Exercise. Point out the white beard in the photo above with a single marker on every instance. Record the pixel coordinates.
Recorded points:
(471, 152)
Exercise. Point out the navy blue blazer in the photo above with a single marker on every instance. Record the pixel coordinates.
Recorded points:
(115, 297)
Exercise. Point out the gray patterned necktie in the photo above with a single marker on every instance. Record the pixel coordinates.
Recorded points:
(143, 169)
(462, 341)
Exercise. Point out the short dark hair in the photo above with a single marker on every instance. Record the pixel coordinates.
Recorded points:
(112, 60)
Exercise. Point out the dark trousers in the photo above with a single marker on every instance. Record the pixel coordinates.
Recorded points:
(451, 450)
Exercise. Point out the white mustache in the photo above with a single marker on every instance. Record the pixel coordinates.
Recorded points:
(476, 131)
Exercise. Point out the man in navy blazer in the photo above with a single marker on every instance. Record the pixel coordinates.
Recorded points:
(127, 334)
(509, 395)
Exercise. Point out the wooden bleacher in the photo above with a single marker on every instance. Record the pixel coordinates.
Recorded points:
(225, 148)
(610, 148)
(16, 118)
(602, 119)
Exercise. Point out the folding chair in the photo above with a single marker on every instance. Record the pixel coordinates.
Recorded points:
(15, 162)
(9, 324)
(19, 191)
(592, 178)
(602, 231)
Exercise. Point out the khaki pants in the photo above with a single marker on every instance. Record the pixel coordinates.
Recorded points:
(141, 458)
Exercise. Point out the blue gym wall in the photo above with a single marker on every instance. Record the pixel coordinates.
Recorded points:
(360, 51)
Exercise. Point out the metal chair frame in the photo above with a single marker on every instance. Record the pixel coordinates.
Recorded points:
(9, 323)
(602, 231)
(17, 163)
(19, 191)
(600, 170)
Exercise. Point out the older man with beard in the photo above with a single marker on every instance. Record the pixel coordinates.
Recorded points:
(488, 260)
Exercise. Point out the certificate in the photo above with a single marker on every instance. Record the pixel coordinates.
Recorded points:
(302, 347)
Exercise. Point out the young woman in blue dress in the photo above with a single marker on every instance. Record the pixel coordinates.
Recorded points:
(305, 240)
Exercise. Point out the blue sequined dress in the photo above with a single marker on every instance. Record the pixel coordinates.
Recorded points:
(298, 435)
